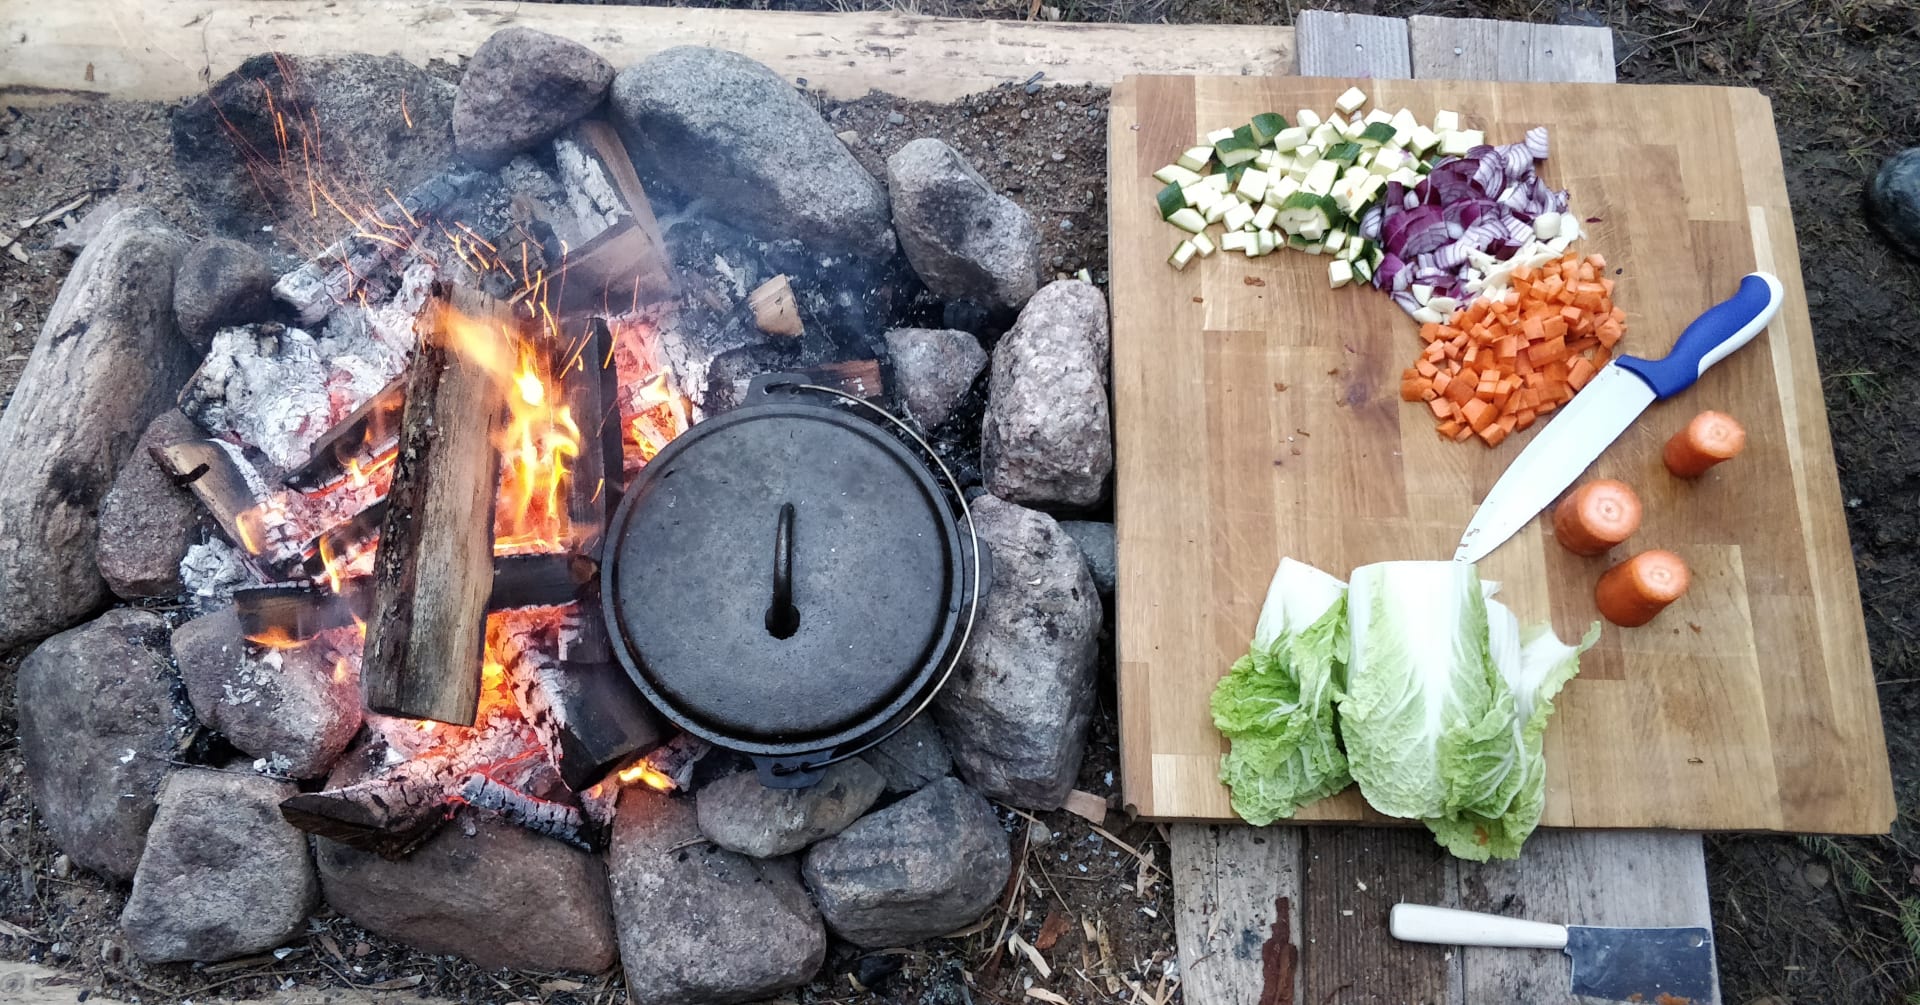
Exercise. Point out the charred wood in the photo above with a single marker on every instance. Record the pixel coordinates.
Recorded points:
(299, 611)
(233, 493)
(378, 238)
(434, 569)
(538, 579)
(360, 441)
(731, 376)
(541, 816)
(614, 255)
(345, 540)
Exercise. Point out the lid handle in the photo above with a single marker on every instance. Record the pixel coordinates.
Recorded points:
(783, 619)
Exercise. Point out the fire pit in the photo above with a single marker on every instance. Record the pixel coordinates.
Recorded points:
(593, 495)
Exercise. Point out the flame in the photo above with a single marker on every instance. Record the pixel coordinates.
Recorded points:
(342, 668)
(331, 562)
(276, 637)
(645, 774)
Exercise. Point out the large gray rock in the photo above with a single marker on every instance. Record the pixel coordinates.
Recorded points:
(1048, 437)
(1015, 712)
(223, 875)
(720, 126)
(107, 362)
(521, 87)
(927, 865)
(499, 896)
(965, 241)
(700, 925)
(1098, 546)
(147, 523)
(341, 114)
(1893, 200)
(97, 726)
(932, 369)
(912, 757)
(221, 282)
(286, 705)
(740, 814)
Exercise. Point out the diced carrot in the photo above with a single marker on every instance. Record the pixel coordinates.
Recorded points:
(1596, 261)
(1579, 373)
(1465, 432)
(1440, 408)
(1429, 331)
(1479, 414)
(1425, 368)
(1553, 327)
(1459, 390)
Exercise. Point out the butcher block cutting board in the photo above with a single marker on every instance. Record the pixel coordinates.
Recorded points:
(1257, 415)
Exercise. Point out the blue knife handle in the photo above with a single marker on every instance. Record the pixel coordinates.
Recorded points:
(1726, 326)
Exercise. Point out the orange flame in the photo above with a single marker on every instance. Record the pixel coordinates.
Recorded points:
(276, 637)
(645, 774)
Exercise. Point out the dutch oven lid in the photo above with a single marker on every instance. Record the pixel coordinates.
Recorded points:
(783, 577)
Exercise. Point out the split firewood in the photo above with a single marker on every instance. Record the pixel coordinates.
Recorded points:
(541, 816)
(358, 442)
(434, 570)
(295, 612)
(615, 256)
(233, 493)
(538, 579)
(775, 311)
(382, 236)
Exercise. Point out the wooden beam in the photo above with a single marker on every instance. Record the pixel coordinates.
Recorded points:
(1230, 885)
(1461, 48)
(434, 570)
(166, 49)
(1352, 45)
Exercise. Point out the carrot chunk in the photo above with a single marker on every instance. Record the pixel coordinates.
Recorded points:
(1596, 516)
(1632, 593)
(1710, 438)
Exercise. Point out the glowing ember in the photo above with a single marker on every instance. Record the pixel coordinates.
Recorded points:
(276, 637)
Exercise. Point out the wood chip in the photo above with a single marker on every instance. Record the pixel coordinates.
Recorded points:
(332, 947)
(396, 984)
(1025, 948)
(9, 928)
(1046, 996)
(1056, 925)
(1085, 804)
(560, 985)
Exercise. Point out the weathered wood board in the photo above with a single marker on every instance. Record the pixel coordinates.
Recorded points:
(165, 49)
(1257, 416)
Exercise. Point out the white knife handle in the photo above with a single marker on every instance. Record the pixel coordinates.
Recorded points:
(1448, 927)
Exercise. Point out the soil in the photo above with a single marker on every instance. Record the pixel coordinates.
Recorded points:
(1797, 919)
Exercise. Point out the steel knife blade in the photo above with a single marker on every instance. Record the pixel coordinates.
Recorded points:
(1671, 965)
(1606, 407)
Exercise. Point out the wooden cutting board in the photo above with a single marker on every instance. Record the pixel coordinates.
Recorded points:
(1257, 415)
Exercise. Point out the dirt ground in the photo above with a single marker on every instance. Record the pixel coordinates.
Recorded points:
(1797, 919)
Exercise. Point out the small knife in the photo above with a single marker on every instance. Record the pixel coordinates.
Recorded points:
(1606, 407)
(1670, 965)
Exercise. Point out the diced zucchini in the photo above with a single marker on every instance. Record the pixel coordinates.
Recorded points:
(1306, 118)
(1084, 276)
(1235, 240)
(1217, 135)
(1445, 121)
(1335, 239)
(1305, 156)
(1362, 270)
(1246, 133)
(1296, 242)
(1404, 123)
(1457, 143)
(1266, 126)
(1422, 140)
(1370, 188)
(1321, 176)
(1339, 273)
(1238, 216)
(1174, 174)
(1280, 188)
(1387, 160)
(1377, 132)
(1235, 150)
(1182, 254)
(1324, 135)
(1218, 211)
(1377, 115)
(1264, 216)
(1172, 199)
(1287, 139)
(1350, 99)
(1343, 153)
(1265, 160)
(1202, 243)
(1253, 185)
(1267, 241)
(1216, 182)
(1233, 173)
(1352, 130)
(1195, 158)
(1315, 248)
(1188, 220)
(1365, 159)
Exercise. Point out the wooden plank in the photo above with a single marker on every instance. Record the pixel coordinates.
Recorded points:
(34, 984)
(165, 49)
(1761, 719)
(1583, 878)
(1230, 885)
(1353, 877)
(1352, 45)
(1450, 48)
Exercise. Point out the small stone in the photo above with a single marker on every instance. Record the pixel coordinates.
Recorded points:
(223, 874)
(147, 523)
(726, 128)
(221, 282)
(1817, 874)
(482, 889)
(1098, 547)
(849, 137)
(700, 925)
(295, 707)
(97, 727)
(896, 119)
(740, 814)
(928, 865)
(962, 238)
(76, 236)
(933, 369)
(912, 757)
(1893, 201)
(62, 866)
(521, 88)
(1048, 435)
(1015, 712)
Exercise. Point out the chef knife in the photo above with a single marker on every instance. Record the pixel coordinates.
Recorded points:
(1670, 965)
(1606, 407)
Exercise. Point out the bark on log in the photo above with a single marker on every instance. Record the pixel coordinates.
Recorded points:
(434, 570)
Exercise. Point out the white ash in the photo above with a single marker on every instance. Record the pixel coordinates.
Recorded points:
(368, 346)
(264, 385)
(214, 569)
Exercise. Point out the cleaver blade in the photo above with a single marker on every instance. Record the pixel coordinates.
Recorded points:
(1658, 966)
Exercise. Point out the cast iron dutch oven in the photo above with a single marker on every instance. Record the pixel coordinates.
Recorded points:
(789, 579)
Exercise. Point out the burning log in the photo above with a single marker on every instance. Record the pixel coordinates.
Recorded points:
(295, 612)
(538, 579)
(541, 816)
(358, 443)
(314, 289)
(343, 541)
(424, 642)
(775, 311)
(232, 492)
(615, 254)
